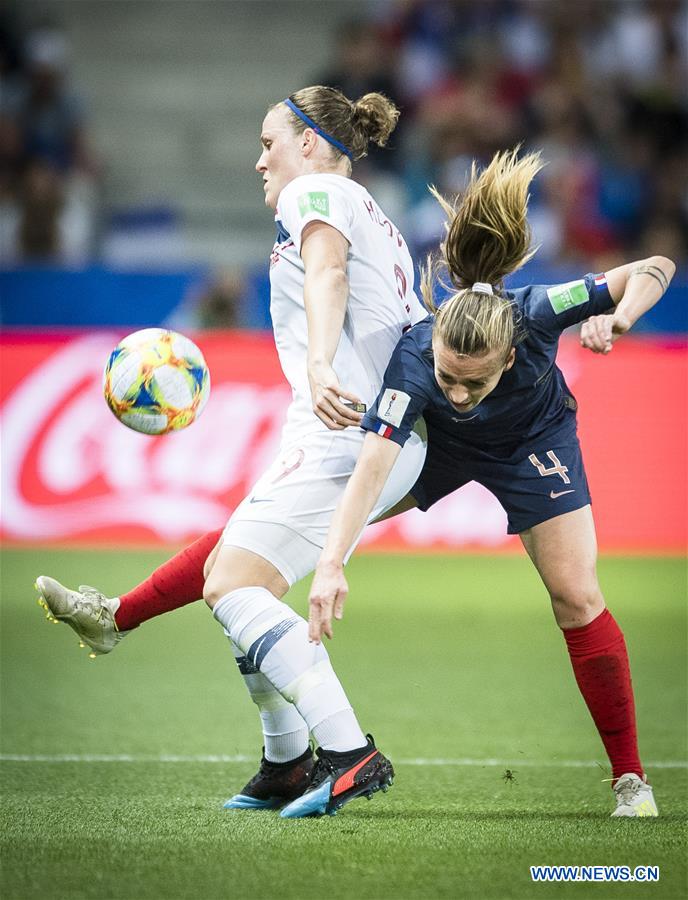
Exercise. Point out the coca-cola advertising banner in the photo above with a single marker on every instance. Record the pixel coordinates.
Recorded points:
(71, 473)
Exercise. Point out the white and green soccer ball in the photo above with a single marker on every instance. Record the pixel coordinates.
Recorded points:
(156, 381)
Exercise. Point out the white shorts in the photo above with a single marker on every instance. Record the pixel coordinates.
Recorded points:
(287, 514)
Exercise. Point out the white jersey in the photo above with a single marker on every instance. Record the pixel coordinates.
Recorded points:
(382, 303)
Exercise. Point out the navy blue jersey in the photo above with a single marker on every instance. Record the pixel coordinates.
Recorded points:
(530, 398)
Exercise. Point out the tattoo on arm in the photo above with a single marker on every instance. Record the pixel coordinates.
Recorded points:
(654, 272)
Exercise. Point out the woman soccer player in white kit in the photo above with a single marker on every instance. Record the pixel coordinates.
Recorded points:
(341, 297)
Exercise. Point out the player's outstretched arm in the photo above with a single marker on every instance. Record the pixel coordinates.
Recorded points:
(324, 252)
(634, 288)
(329, 588)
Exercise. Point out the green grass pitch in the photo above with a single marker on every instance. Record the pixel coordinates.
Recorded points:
(454, 660)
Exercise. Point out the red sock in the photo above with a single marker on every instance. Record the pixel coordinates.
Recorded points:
(600, 664)
(176, 583)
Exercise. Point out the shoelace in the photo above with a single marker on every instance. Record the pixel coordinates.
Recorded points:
(628, 790)
(91, 601)
(323, 769)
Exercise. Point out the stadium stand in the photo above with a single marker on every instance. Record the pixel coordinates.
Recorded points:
(175, 94)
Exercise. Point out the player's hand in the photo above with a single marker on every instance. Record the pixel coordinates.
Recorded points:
(599, 333)
(326, 599)
(330, 399)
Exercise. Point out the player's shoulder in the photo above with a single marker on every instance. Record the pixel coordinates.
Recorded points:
(525, 296)
(319, 182)
(415, 345)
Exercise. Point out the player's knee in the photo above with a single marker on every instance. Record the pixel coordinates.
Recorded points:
(211, 592)
(576, 603)
(215, 587)
(210, 561)
(220, 582)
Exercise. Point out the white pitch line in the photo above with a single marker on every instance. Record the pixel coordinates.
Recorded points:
(120, 758)
(415, 761)
(551, 764)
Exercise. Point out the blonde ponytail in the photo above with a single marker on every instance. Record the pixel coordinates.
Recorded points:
(487, 238)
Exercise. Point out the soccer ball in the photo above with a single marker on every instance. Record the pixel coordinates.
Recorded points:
(156, 381)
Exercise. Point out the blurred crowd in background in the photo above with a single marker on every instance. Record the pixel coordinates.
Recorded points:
(48, 173)
(599, 86)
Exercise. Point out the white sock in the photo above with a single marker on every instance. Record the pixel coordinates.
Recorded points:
(285, 734)
(275, 640)
(339, 731)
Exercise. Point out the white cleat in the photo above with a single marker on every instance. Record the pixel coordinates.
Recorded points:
(634, 797)
(87, 611)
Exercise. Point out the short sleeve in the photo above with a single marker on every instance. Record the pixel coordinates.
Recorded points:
(551, 309)
(314, 198)
(403, 396)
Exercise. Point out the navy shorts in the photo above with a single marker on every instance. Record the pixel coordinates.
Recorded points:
(534, 481)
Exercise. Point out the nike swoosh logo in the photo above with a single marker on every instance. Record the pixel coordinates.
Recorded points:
(555, 494)
(260, 500)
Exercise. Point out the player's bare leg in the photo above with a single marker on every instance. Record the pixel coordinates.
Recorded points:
(210, 560)
(564, 551)
(232, 568)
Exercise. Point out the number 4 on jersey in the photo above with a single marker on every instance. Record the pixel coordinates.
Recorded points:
(556, 469)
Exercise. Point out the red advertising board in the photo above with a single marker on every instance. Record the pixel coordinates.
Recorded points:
(72, 474)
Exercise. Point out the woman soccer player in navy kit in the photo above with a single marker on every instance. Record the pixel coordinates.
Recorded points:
(481, 371)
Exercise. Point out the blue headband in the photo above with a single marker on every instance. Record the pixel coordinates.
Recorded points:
(317, 129)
